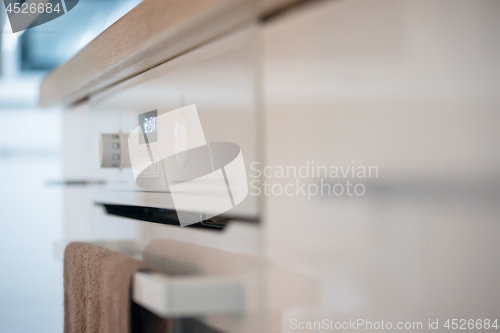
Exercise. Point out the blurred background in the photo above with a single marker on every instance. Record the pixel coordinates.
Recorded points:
(31, 289)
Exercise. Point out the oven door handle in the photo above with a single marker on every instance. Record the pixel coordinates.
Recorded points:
(187, 295)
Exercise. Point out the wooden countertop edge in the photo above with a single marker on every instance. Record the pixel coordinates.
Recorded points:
(150, 34)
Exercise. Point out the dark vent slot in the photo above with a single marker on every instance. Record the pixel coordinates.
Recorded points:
(168, 216)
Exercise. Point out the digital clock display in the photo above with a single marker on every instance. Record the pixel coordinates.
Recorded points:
(148, 123)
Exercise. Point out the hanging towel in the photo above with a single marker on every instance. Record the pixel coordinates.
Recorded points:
(97, 284)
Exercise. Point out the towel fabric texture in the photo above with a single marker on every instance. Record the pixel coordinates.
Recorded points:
(97, 284)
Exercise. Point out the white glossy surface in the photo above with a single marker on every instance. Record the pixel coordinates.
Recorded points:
(410, 87)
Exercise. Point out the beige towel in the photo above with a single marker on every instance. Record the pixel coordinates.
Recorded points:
(97, 291)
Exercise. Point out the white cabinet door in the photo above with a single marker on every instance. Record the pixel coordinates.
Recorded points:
(407, 87)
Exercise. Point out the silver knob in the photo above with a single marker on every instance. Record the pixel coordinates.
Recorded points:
(113, 151)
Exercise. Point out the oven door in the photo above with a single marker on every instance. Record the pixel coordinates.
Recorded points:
(133, 143)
